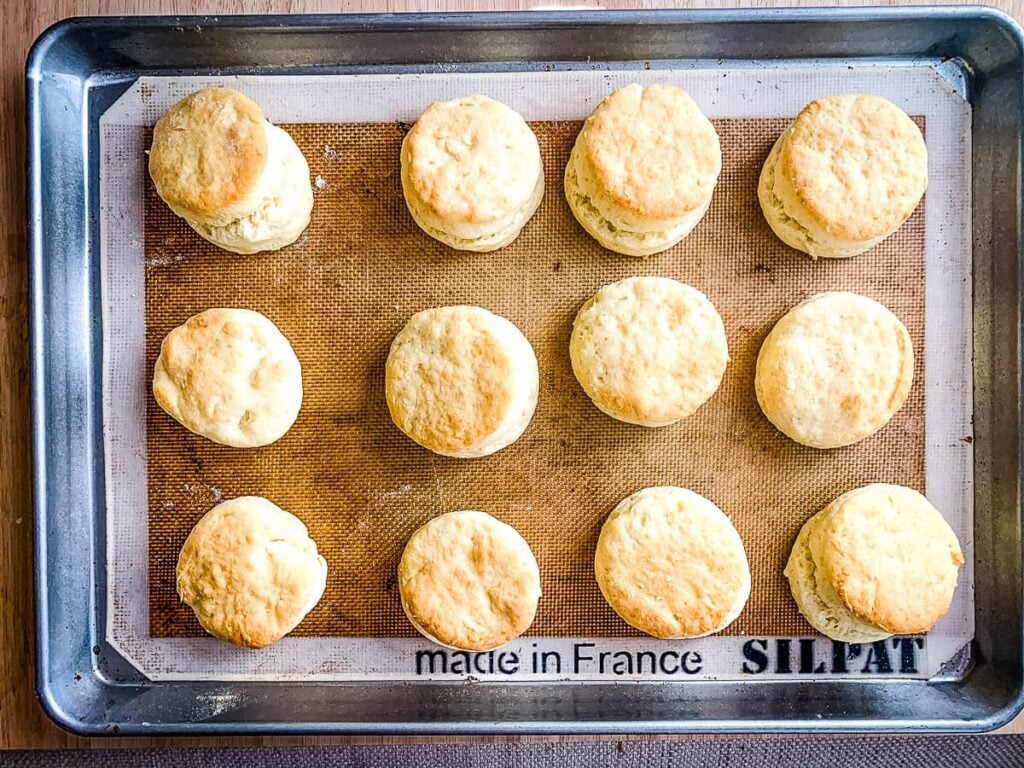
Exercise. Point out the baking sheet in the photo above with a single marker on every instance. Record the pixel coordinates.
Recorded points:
(363, 488)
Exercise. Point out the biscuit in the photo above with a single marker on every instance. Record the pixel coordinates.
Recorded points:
(469, 581)
(471, 173)
(671, 564)
(231, 376)
(649, 350)
(834, 370)
(879, 560)
(844, 176)
(643, 169)
(250, 572)
(239, 181)
(461, 381)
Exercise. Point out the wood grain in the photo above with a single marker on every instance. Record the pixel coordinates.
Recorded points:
(23, 725)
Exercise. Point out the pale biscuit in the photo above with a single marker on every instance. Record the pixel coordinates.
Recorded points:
(250, 572)
(229, 375)
(671, 564)
(844, 176)
(471, 173)
(834, 370)
(649, 350)
(461, 381)
(239, 181)
(469, 581)
(879, 560)
(643, 169)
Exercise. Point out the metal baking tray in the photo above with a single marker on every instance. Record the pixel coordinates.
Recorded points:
(80, 66)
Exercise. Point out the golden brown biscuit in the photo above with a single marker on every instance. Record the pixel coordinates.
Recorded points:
(834, 370)
(229, 375)
(240, 182)
(250, 572)
(643, 169)
(461, 381)
(209, 151)
(471, 173)
(879, 560)
(671, 564)
(469, 581)
(844, 176)
(649, 350)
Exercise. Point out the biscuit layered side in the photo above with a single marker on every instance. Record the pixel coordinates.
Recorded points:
(643, 169)
(237, 180)
(250, 572)
(471, 173)
(844, 176)
(879, 560)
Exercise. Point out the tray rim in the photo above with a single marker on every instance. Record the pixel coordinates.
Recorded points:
(36, 69)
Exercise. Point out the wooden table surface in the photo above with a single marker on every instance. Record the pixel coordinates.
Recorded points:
(23, 724)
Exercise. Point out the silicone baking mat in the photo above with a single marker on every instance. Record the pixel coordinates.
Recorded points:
(363, 267)
(343, 291)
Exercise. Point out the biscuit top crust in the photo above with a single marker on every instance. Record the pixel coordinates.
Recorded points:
(449, 378)
(890, 556)
(651, 152)
(671, 563)
(472, 160)
(469, 581)
(250, 571)
(208, 150)
(229, 375)
(857, 164)
(834, 369)
(649, 350)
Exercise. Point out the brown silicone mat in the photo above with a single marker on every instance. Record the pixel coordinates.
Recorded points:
(362, 268)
